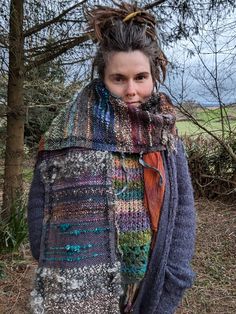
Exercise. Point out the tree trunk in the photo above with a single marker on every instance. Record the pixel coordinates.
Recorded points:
(15, 111)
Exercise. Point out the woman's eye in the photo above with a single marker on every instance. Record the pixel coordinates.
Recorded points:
(140, 77)
(118, 79)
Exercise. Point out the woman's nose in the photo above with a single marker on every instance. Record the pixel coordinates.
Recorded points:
(130, 89)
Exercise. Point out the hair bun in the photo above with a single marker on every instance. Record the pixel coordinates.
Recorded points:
(102, 17)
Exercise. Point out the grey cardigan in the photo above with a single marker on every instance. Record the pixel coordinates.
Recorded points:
(169, 272)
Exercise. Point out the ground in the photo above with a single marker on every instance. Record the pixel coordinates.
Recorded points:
(214, 263)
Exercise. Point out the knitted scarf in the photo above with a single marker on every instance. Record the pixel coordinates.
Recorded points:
(98, 121)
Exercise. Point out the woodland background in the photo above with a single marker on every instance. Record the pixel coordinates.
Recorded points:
(45, 57)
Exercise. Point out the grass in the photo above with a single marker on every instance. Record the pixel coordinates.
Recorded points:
(209, 118)
(14, 230)
(209, 114)
(189, 128)
(28, 174)
(214, 262)
(16, 283)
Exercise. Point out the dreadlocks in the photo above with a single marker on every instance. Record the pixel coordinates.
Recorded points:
(125, 28)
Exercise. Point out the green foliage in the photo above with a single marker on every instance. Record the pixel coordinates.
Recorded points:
(14, 230)
(27, 174)
(39, 120)
(44, 88)
(45, 93)
(212, 168)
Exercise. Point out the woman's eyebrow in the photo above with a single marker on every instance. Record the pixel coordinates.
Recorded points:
(117, 74)
(123, 75)
(143, 73)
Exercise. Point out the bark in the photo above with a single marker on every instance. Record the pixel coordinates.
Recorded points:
(15, 111)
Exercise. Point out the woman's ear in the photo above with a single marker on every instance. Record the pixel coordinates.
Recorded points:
(156, 86)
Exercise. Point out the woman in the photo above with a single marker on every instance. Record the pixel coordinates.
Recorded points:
(111, 215)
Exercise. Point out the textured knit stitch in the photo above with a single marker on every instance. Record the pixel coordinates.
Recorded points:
(100, 121)
(78, 197)
(169, 272)
(133, 222)
(76, 290)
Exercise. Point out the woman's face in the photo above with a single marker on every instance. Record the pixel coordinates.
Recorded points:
(128, 76)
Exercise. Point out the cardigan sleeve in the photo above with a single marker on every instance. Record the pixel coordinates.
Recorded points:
(179, 275)
(35, 212)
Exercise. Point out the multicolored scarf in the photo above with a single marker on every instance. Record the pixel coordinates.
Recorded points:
(99, 121)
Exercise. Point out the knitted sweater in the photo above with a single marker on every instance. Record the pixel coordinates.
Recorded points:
(89, 230)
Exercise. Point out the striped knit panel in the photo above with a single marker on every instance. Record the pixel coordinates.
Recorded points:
(78, 268)
(100, 121)
(132, 218)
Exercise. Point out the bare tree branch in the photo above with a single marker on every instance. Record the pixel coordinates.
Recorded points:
(218, 178)
(4, 42)
(50, 56)
(56, 19)
(38, 50)
(154, 4)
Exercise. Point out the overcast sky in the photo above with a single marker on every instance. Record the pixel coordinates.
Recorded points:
(201, 60)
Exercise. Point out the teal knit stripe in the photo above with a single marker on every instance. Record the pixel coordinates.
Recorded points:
(66, 226)
(135, 270)
(72, 249)
(72, 259)
(80, 231)
(130, 196)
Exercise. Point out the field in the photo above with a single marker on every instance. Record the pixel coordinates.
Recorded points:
(209, 118)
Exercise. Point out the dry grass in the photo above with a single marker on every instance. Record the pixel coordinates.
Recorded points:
(214, 263)
(215, 286)
(16, 284)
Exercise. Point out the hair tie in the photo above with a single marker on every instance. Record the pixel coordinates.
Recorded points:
(131, 15)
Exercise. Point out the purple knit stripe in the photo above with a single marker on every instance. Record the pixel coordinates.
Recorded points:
(86, 260)
(84, 218)
(133, 221)
(84, 210)
(87, 241)
(87, 235)
(133, 177)
(81, 180)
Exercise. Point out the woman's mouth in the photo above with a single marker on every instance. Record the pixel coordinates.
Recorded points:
(133, 103)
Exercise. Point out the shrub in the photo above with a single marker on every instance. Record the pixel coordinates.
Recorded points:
(212, 168)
